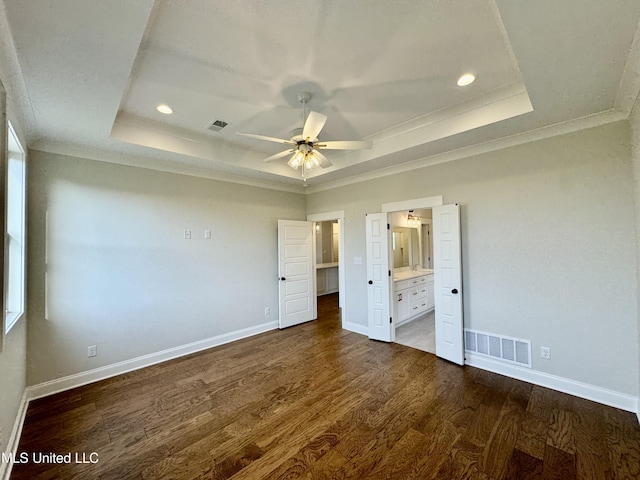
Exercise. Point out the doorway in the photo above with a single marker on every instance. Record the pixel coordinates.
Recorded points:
(447, 275)
(329, 260)
(327, 240)
(413, 285)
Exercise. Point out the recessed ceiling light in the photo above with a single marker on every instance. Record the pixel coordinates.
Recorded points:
(166, 109)
(466, 79)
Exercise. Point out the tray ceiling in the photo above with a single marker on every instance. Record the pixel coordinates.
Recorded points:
(94, 73)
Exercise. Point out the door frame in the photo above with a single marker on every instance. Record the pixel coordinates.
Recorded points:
(418, 203)
(339, 216)
(427, 202)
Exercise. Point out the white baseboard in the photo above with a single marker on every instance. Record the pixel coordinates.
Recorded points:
(357, 328)
(14, 439)
(572, 387)
(83, 378)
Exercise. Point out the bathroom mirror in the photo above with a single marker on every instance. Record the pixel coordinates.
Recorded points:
(406, 247)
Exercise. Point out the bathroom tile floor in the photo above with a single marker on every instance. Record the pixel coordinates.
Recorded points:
(419, 334)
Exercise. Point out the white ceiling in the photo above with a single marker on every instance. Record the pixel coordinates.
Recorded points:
(94, 72)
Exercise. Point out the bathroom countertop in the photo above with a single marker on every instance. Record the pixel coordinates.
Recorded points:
(407, 274)
(320, 266)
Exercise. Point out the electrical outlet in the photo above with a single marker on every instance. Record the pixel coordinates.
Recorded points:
(267, 311)
(545, 352)
(92, 351)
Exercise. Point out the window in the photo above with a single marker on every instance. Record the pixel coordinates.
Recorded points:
(15, 238)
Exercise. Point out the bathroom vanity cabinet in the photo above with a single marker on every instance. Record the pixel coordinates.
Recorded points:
(327, 278)
(413, 295)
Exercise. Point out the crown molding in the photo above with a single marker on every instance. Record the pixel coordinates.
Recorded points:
(138, 161)
(549, 131)
(19, 107)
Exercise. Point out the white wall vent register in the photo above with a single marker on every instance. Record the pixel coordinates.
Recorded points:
(499, 347)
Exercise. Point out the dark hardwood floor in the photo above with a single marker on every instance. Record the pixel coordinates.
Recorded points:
(318, 402)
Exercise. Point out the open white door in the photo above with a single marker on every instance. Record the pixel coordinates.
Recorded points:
(448, 283)
(296, 266)
(378, 273)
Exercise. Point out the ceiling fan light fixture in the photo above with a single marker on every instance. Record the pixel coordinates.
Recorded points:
(310, 161)
(304, 159)
(296, 160)
(466, 79)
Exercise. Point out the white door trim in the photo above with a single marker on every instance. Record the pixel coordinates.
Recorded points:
(325, 217)
(426, 202)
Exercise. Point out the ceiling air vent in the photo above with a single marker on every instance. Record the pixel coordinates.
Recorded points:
(217, 125)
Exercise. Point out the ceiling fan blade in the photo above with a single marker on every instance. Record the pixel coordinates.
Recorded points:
(279, 155)
(312, 126)
(268, 139)
(346, 145)
(324, 161)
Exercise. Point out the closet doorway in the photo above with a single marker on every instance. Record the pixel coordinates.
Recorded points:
(329, 247)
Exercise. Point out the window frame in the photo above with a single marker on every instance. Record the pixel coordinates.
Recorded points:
(15, 232)
(9, 321)
(4, 154)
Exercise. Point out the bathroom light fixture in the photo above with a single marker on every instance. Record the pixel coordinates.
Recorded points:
(166, 109)
(413, 220)
(466, 79)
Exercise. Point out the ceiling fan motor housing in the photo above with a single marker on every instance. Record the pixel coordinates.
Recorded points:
(296, 135)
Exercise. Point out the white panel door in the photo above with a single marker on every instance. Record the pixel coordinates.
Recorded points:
(296, 268)
(378, 281)
(448, 283)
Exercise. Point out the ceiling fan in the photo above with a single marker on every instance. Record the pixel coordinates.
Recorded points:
(304, 146)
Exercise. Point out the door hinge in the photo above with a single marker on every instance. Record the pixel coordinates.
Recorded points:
(390, 319)
(389, 272)
(388, 227)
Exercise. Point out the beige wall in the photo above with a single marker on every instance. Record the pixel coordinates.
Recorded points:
(109, 240)
(547, 244)
(13, 363)
(634, 121)
(13, 354)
